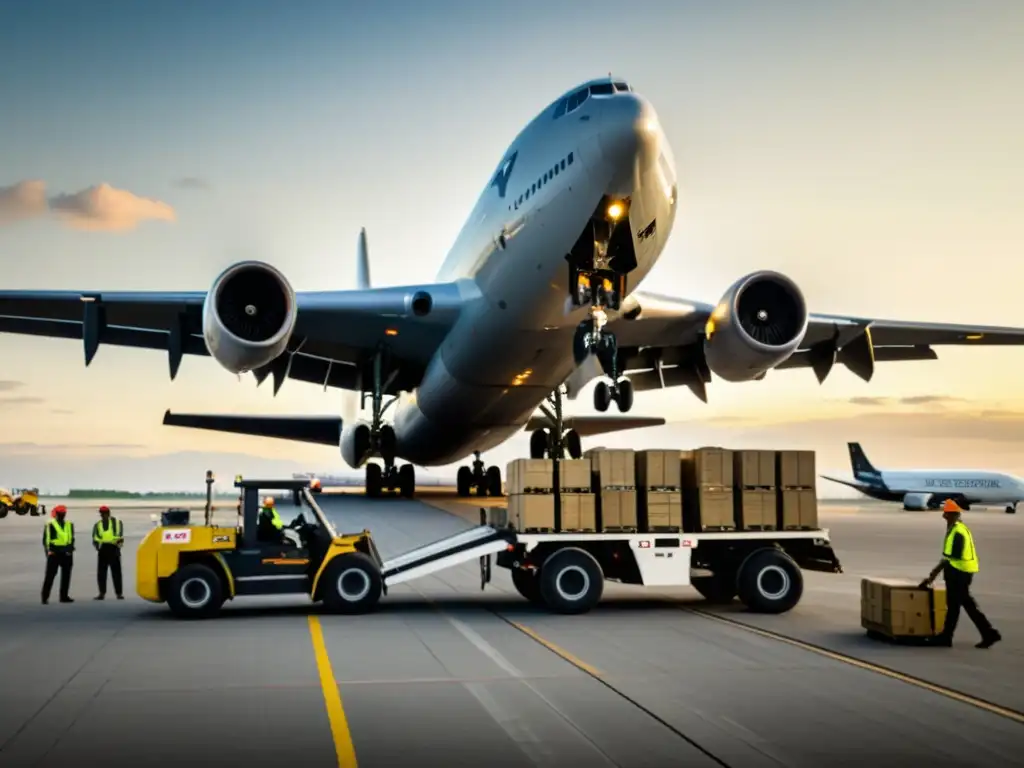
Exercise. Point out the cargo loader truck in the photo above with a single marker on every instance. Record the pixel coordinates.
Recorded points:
(196, 568)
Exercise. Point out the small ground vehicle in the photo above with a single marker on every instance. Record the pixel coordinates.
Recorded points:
(23, 502)
(196, 568)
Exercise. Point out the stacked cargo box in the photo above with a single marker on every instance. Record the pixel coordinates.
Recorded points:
(898, 609)
(707, 482)
(754, 492)
(613, 480)
(659, 491)
(797, 495)
(531, 499)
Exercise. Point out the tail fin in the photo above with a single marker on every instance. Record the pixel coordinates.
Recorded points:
(362, 262)
(861, 466)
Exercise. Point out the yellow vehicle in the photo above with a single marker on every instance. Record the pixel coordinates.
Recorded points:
(195, 568)
(22, 502)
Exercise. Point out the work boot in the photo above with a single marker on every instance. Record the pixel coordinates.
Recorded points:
(120, 597)
(67, 600)
(99, 597)
(993, 638)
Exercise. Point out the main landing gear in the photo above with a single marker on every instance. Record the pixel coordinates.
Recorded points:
(555, 440)
(383, 443)
(484, 482)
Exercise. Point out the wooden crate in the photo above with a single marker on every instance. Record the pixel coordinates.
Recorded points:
(795, 469)
(660, 511)
(755, 509)
(708, 509)
(754, 469)
(530, 476)
(612, 468)
(707, 468)
(617, 510)
(899, 608)
(797, 509)
(658, 470)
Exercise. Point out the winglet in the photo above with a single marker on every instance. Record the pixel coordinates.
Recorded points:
(362, 262)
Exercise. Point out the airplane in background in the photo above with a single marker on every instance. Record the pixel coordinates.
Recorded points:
(537, 294)
(921, 489)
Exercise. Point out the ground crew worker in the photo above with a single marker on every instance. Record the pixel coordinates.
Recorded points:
(59, 544)
(958, 565)
(108, 538)
(271, 527)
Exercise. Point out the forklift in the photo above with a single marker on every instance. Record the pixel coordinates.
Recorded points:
(196, 568)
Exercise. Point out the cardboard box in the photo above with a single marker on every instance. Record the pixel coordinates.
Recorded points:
(754, 469)
(574, 475)
(579, 512)
(532, 511)
(899, 608)
(707, 468)
(797, 508)
(795, 469)
(530, 475)
(755, 509)
(708, 509)
(658, 469)
(612, 468)
(617, 510)
(660, 510)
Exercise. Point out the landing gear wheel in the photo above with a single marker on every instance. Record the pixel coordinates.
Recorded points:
(463, 481)
(352, 584)
(624, 395)
(494, 482)
(602, 396)
(770, 582)
(527, 583)
(573, 444)
(407, 480)
(571, 581)
(374, 480)
(195, 592)
(538, 444)
(1012, 509)
(719, 589)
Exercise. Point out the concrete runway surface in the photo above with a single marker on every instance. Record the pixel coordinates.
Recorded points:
(444, 674)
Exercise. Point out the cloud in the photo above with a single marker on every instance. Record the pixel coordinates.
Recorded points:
(21, 447)
(190, 182)
(873, 402)
(13, 402)
(869, 401)
(107, 209)
(21, 201)
(8, 385)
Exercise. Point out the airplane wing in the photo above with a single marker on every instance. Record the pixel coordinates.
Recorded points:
(335, 335)
(661, 339)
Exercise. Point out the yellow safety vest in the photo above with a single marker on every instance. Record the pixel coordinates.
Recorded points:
(58, 535)
(274, 517)
(968, 562)
(110, 535)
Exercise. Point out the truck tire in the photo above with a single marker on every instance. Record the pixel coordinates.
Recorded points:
(770, 581)
(719, 589)
(352, 584)
(195, 592)
(571, 581)
(527, 583)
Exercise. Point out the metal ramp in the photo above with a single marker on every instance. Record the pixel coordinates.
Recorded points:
(476, 543)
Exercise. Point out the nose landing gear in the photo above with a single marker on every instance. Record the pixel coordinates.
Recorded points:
(484, 482)
(384, 443)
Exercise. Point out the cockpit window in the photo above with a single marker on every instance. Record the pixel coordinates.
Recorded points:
(560, 108)
(577, 99)
(602, 89)
(622, 87)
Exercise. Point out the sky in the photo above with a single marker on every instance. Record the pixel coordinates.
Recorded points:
(874, 152)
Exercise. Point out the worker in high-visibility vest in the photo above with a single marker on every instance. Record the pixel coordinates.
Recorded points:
(270, 526)
(958, 565)
(108, 538)
(59, 545)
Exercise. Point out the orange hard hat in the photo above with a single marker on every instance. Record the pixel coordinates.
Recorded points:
(269, 501)
(59, 509)
(950, 506)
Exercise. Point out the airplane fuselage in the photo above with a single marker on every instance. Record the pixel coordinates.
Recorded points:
(512, 345)
(971, 485)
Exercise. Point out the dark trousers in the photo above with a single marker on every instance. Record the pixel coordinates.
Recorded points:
(62, 561)
(958, 595)
(109, 558)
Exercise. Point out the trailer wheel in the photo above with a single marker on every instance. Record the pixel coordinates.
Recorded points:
(770, 581)
(352, 584)
(195, 592)
(571, 581)
(718, 589)
(528, 585)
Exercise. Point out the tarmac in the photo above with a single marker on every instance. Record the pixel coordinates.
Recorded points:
(446, 674)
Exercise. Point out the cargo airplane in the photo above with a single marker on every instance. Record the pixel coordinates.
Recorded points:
(539, 293)
(920, 489)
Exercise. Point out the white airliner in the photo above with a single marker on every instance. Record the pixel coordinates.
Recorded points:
(920, 489)
(539, 291)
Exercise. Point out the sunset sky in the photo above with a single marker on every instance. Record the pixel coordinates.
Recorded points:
(872, 151)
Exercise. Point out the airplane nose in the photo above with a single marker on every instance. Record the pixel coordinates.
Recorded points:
(629, 127)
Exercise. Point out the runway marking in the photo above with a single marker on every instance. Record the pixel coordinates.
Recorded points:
(343, 746)
(942, 690)
(557, 650)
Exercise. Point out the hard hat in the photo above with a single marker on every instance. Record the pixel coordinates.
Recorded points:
(104, 508)
(950, 506)
(59, 509)
(268, 502)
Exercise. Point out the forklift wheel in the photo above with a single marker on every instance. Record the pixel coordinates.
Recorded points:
(195, 592)
(352, 584)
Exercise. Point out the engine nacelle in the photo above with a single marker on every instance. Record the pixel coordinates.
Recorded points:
(355, 444)
(248, 316)
(760, 321)
(917, 502)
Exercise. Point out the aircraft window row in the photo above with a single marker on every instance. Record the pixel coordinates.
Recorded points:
(548, 176)
(575, 101)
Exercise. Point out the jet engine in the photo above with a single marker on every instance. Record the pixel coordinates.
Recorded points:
(355, 444)
(760, 321)
(917, 502)
(248, 316)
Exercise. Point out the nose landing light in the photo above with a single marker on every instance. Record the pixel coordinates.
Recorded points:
(616, 210)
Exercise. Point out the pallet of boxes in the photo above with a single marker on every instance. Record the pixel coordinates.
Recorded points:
(531, 496)
(901, 611)
(797, 490)
(636, 491)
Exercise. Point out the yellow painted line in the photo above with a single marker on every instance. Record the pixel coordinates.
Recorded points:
(942, 690)
(557, 650)
(343, 746)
